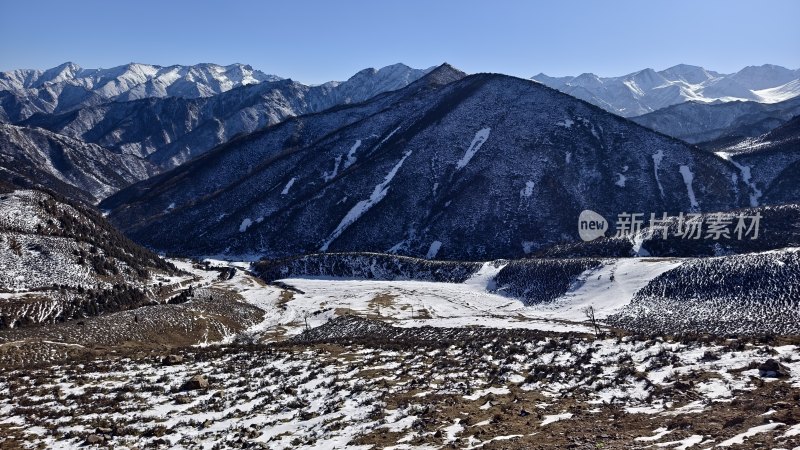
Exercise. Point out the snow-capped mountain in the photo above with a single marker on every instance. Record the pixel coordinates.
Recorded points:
(169, 131)
(646, 91)
(84, 171)
(68, 86)
(696, 122)
(452, 166)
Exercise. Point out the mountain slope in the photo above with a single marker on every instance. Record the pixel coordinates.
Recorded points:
(485, 166)
(170, 131)
(646, 91)
(771, 162)
(86, 171)
(61, 260)
(728, 122)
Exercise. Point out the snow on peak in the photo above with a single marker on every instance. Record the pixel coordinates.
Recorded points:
(647, 90)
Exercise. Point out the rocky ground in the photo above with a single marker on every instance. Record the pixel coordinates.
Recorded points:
(323, 364)
(387, 387)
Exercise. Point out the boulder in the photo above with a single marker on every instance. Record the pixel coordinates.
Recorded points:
(194, 383)
(172, 360)
(94, 439)
(773, 369)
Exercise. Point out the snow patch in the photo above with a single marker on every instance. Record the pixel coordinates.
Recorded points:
(739, 438)
(746, 177)
(657, 158)
(351, 155)
(566, 123)
(245, 225)
(477, 142)
(363, 206)
(688, 177)
(433, 250)
(328, 176)
(548, 419)
(288, 186)
(527, 191)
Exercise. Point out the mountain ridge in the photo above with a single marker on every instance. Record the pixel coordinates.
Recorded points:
(437, 154)
(169, 131)
(647, 90)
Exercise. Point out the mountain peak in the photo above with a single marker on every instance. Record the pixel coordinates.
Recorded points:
(443, 74)
(688, 73)
(648, 90)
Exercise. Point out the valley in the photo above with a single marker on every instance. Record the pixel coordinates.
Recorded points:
(208, 256)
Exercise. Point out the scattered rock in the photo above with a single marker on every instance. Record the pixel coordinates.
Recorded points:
(194, 383)
(773, 369)
(172, 360)
(182, 399)
(94, 439)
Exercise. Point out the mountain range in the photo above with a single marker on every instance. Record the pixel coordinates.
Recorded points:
(646, 90)
(452, 166)
(68, 86)
(170, 130)
(703, 122)
(426, 163)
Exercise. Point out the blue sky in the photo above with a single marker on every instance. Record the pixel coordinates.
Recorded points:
(316, 41)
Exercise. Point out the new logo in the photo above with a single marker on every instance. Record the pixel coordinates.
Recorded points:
(591, 225)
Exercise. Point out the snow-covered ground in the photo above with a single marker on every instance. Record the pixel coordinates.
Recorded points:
(409, 303)
(467, 391)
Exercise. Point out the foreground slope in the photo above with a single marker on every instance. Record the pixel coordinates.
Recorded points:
(482, 167)
(62, 260)
(364, 384)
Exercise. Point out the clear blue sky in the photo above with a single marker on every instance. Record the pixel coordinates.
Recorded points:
(316, 41)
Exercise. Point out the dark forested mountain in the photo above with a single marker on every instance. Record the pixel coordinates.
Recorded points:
(724, 122)
(171, 130)
(770, 162)
(453, 167)
(84, 171)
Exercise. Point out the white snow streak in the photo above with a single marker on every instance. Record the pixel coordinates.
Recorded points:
(657, 158)
(746, 177)
(363, 206)
(245, 225)
(688, 177)
(527, 191)
(288, 186)
(477, 142)
(351, 155)
(433, 250)
(328, 176)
